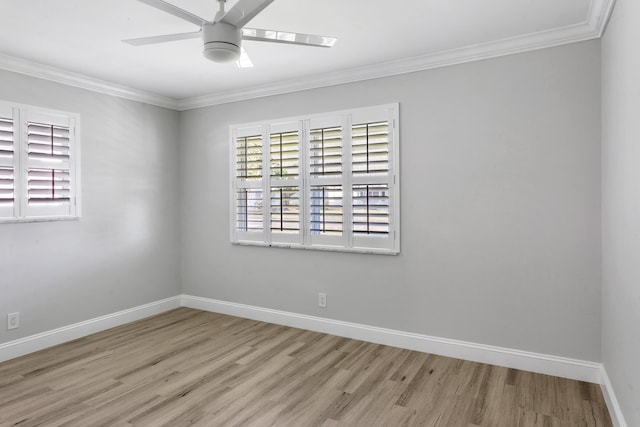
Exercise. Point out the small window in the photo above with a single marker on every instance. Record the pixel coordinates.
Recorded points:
(39, 156)
(322, 182)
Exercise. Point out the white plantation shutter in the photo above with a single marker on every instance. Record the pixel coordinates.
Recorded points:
(325, 182)
(39, 162)
(248, 182)
(266, 179)
(7, 163)
(49, 181)
(284, 184)
(285, 166)
(373, 191)
(50, 178)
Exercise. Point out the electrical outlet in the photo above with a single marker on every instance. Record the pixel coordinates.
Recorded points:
(322, 300)
(13, 320)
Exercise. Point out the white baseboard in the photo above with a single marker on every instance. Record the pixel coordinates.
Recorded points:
(523, 360)
(27, 345)
(517, 359)
(612, 402)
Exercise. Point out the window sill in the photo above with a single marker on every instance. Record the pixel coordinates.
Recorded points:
(38, 219)
(318, 248)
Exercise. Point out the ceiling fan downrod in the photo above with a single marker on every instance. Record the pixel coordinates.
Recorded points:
(220, 12)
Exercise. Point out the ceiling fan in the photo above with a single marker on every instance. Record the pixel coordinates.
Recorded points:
(221, 38)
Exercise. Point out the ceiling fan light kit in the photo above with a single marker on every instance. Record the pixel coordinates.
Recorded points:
(222, 37)
(221, 42)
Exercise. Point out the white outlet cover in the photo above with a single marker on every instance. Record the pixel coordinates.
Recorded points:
(322, 300)
(13, 320)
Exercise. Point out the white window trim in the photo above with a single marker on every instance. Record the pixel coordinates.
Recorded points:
(347, 242)
(21, 113)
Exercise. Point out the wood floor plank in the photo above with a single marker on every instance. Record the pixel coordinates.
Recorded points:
(188, 367)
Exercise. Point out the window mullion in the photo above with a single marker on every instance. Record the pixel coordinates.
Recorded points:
(347, 192)
(266, 183)
(233, 197)
(394, 179)
(22, 155)
(305, 170)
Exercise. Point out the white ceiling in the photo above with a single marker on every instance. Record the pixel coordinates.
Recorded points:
(375, 37)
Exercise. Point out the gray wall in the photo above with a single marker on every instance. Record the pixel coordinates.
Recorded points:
(621, 206)
(501, 239)
(501, 218)
(124, 251)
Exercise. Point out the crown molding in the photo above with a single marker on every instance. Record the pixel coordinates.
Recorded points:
(599, 15)
(593, 27)
(58, 75)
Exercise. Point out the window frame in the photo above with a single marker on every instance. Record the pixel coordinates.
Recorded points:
(22, 115)
(347, 240)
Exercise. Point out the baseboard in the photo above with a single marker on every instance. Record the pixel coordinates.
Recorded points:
(612, 402)
(527, 361)
(27, 345)
(517, 359)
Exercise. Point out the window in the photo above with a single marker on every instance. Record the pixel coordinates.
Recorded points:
(39, 155)
(328, 182)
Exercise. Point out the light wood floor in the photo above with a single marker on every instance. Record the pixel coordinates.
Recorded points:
(188, 367)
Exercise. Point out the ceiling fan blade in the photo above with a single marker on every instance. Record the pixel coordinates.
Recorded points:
(273, 36)
(244, 11)
(175, 11)
(162, 39)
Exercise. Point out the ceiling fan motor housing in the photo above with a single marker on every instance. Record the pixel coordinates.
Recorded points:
(221, 41)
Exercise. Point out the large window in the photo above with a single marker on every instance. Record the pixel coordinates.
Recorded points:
(39, 155)
(329, 182)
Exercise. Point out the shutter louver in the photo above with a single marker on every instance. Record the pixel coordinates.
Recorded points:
(249, 157)
(48, 142)
(249, 175)
(285, 155)
(326, 210)
(6, 187)
(48, 147)
(285, 209)
(326, 151)
(6, 138)
(7, 180)
(370, 148)
(371, 209)
(284, 183)
(49, 186)
(249, 209)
